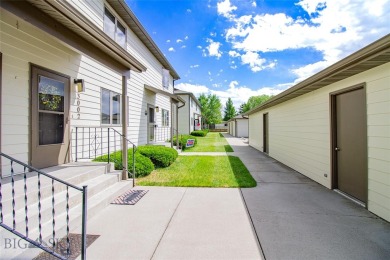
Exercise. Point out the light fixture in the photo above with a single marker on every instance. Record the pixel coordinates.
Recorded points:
(146, 112)
(157, 109)
(80, 87)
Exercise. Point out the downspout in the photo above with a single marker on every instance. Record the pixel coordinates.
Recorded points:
(125, 118)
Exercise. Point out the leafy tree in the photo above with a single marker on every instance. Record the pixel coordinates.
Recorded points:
(211, 108)
(230, 110)
(253, 102)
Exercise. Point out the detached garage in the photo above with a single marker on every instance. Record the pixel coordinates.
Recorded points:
(334, 127)
(238, 126)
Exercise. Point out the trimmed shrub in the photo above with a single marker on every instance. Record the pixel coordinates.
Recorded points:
(199, 133)
(183, 140)
(143, 165)
(161, 156)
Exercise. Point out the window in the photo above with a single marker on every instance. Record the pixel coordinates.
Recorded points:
(192, 102)
(165, 117)
(165, 79)
(114, 28)
(111, 107)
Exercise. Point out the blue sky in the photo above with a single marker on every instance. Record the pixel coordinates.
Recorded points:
(243, 48)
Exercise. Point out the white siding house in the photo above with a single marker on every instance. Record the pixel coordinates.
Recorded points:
(238, 126)
(335, 126)
(128, 83)
(190, 118)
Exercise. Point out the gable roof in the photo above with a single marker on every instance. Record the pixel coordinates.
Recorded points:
(240, 116)
(182, 92)
(373, 55)
(135, 25)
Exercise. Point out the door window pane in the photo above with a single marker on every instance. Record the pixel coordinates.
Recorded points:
(106, 111)
(50, 94)
(51, 128)
(151, 115)
(109, 24)
(116, 108)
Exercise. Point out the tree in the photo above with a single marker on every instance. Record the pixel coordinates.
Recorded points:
(253, 102)
(230, 110)
(211, 108)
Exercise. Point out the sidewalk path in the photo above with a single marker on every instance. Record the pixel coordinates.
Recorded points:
(296, 218)
(176, 223)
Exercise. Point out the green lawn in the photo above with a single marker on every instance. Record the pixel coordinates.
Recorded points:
(201, 171)
(213, 142)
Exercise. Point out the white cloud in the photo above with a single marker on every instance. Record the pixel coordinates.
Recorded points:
(213, 34)
(238, 94)
(186, 37)
(194, 66)
(184, 46)
(234, 54)
(168, 41)
(213, 49)
(255, 62)
(171, 49)
(254, 4)
(209, 73)
(333, 38)
(179, 40)
(199, 47)
(189, 11)
(195, 89)
(225, 8)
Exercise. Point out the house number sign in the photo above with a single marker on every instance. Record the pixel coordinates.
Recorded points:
(78, 109)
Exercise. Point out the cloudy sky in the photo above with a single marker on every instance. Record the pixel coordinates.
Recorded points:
(242, 48)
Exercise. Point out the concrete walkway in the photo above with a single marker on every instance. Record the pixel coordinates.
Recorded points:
(176, 223)
(296, 218)
(290, 217)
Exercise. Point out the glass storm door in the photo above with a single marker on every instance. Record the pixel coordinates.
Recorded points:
(151, 124)
(49, 118)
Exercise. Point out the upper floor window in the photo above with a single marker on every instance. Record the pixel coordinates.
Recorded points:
(165, 117)
(165, 78)
(111, 107)
(114, 28)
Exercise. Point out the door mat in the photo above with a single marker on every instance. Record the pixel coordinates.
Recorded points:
(61, 247)
(130, 197)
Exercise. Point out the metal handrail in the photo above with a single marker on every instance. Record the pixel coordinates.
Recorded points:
(134, 150)
(104, 147)
(26, 169)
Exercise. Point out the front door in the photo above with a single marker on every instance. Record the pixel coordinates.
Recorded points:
(49, 117)
(151, 124)
(350, 143)
(265, 133)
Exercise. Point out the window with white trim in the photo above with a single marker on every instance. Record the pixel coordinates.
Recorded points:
(114, 28)
(111, 107)
(165, 117)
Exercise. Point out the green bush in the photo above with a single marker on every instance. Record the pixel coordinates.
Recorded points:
(161, 156)
(183, 140)
(143, 165)
(199, 133)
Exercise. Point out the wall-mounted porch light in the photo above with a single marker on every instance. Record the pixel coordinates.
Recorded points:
(157, 109)
(80, 87)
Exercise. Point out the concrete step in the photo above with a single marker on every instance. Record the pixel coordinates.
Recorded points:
(95, 185)
(96, 202)
(73, 173)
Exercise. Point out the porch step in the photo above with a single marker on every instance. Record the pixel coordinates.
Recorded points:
(72, 173)
(102, 189)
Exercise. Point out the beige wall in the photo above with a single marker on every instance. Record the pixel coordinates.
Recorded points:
(299, 134)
